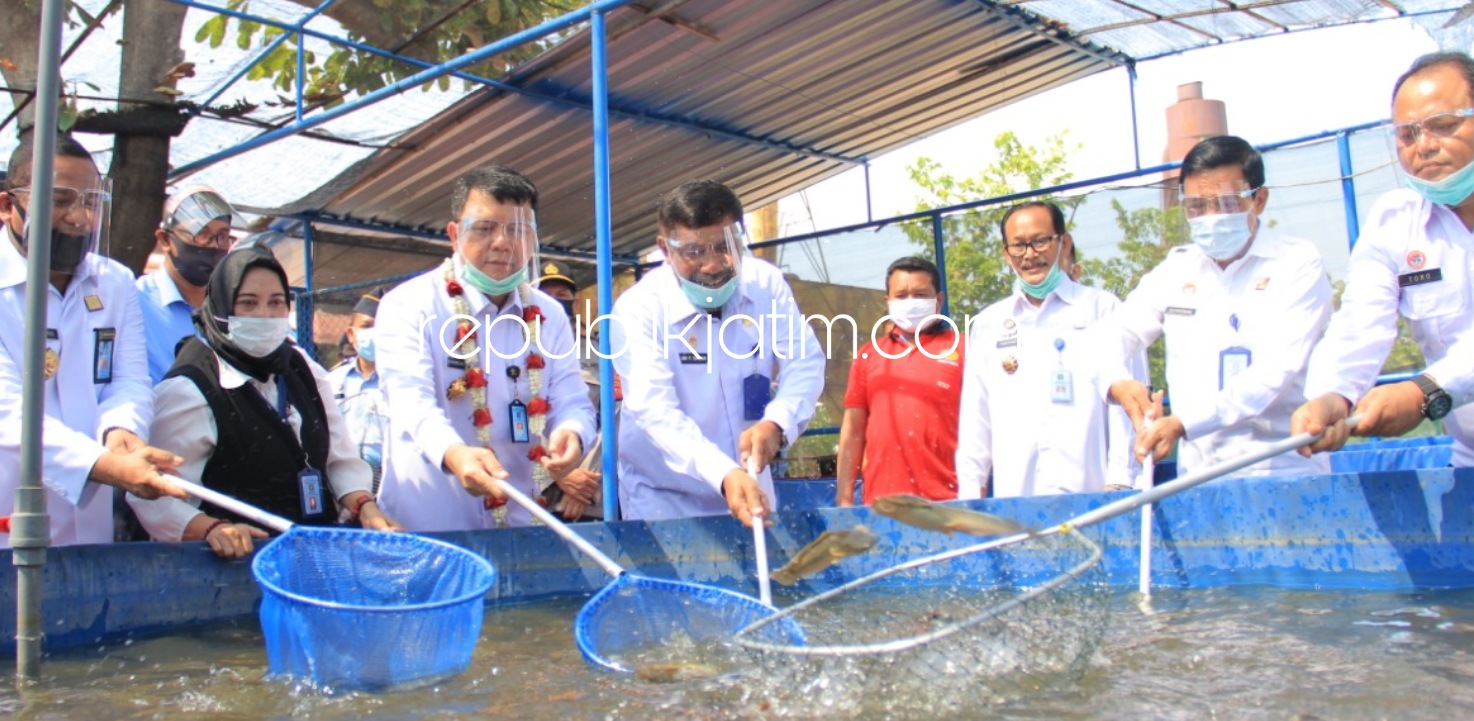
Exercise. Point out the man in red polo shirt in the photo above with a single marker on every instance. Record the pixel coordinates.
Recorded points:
(905, 388)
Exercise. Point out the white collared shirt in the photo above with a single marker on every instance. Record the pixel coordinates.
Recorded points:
(684, 408)
(185, 426)
(1274, 302)
(362, 404)
(1012, 426)
(1414, 260)
(100, 300)
(413, 332)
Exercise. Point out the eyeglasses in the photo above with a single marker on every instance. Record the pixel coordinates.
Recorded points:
(481, 230)
(1040, 244)
(222, 239)
(1223, 203)
(696, 252)
(66, 200)
(1438, 125)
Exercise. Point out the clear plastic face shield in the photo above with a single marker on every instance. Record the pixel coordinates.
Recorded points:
(189, 213)
(1432, 155)
(1220, 215)
(79, 221)
(707, 261)
(499, 252)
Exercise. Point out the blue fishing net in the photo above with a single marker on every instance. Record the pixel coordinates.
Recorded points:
(639, 621)
(349, 608)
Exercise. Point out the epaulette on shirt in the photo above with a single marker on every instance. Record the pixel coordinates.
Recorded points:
(1179, 249)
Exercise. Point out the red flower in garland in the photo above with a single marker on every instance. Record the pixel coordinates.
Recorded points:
(490, 503)
(453, 288)
(475, 378)
(535, 361)
(538, 406)
(532, 313)
(482, 417)
(542, 501)
(463, 329)
(537, 453)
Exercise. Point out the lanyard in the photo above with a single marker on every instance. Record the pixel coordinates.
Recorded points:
(281, 396)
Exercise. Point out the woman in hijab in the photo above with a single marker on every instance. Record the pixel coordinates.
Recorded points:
(244, 409)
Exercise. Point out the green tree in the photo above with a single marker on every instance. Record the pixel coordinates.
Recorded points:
(976, 273)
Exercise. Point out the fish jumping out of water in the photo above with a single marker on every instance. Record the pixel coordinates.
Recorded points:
(829, 547)
(921, 513)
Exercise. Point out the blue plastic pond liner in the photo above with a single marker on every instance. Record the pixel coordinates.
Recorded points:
(355, 609)
(636, 613)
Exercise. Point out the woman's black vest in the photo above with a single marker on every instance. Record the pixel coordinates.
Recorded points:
(257, 458)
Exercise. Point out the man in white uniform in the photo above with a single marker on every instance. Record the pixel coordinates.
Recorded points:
(479, 370)
(719, 369)
(1241, 308)
(1414, 260)
(98, 398)
(1031, 412)
(356, 389)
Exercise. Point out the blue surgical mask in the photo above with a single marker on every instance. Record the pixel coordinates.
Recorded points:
(487, 284)
(1220, 235)
(363, 340)
(1452, 190)
(708, 298)
(1043, 288)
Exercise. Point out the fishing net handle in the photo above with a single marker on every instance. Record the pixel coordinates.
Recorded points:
(238, 507)
(563, 531)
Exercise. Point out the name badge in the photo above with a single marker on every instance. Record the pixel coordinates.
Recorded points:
(1061, 386)
(692, 359)
(1175, 310)
(102, 354)
(517, 415)
(1008, 343)
(1420, 277)
(454, 362)
(757, 390)
(309, 484)
(1231, 362)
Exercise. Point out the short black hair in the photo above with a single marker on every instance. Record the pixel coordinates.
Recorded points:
(1056, 216)
(18, 172)
(1223, 151)
(1458, 61)
(698, 204)
(499, 181)
(914, 264)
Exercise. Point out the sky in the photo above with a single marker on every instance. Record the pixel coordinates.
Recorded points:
(1275, 88)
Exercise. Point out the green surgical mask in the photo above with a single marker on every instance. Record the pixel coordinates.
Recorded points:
(487, 284)
(1045, 287)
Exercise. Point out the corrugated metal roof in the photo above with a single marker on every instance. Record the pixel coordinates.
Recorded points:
(769, 97)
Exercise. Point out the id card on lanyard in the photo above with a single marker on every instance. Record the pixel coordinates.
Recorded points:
(309, 480)
(1061, 381)
(1234, 359)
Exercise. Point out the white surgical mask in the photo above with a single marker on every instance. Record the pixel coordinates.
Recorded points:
(257, 337)
(908, 313)
(1220, 235)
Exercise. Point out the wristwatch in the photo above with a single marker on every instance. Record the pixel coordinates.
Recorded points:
(1436, 401)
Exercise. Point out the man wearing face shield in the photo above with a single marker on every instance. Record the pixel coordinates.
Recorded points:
(356, 387)
(98, 396)
(479, 369)
(899, 431)
(1032, 409)
(1412, 261)
(194, 236)
(1241, 308)
(719, 369)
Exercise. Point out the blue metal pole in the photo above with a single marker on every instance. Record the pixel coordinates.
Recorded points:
(939, 243)
(516, 39)
(1135, 129)
(869, 205)
(1348, 188)
(274, 44)
(306, 338)
(30, 531)
(301, 72)
(603, 229)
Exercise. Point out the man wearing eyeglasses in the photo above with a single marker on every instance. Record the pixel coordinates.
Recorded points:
(194, 236)
(719, 369)
(479, 371)
(98, 400)
(1031, 413)
(1240, 308)
(1412, 261)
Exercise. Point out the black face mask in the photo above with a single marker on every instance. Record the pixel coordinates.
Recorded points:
(567, 307)
(67, 250)
(195, 263)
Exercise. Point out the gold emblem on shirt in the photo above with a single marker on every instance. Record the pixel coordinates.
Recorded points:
(1010, 364)
(93, 303)
(1262, 284)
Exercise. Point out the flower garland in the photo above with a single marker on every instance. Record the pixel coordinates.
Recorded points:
(473, 383)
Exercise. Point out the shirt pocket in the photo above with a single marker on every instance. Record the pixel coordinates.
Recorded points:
(1436, 310)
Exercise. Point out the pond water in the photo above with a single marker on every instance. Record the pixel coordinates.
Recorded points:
(1231, 653)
